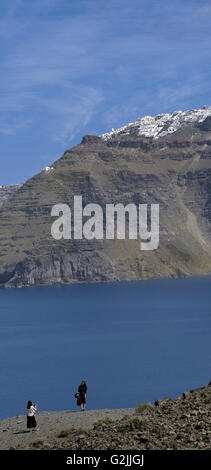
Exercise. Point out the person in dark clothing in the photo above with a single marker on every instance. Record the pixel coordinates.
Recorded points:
(82, 389)
(31, 421)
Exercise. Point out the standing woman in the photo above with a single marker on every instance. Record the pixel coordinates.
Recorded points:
(31, 421)
(82, 389)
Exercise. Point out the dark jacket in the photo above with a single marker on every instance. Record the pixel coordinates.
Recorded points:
(82, 388)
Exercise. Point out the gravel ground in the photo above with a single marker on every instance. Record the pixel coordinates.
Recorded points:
(13, 431)
(172, 424)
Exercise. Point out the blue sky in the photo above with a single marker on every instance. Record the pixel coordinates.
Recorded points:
(75, 67)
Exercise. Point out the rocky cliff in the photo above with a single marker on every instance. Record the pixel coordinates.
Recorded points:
(8, 191)
(163, 160)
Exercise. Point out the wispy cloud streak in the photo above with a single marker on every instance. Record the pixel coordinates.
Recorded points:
(71, 67)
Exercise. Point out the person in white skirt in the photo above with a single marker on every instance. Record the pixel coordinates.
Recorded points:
(31, 421)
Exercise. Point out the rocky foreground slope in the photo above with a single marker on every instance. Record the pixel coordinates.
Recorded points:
(174, 424)
(164, 160)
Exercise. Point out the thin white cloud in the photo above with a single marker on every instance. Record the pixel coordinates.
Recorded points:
(12, 129)
(72, 67)
(71, 112)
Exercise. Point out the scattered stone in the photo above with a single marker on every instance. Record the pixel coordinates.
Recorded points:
(178, 424)
(185, 395)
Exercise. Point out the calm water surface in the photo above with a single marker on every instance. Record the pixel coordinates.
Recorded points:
(131, 342)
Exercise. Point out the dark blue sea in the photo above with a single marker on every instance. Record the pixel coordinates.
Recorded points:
(130, 341)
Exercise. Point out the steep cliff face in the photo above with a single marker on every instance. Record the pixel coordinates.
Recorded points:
(7, 191)
(137, 164)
